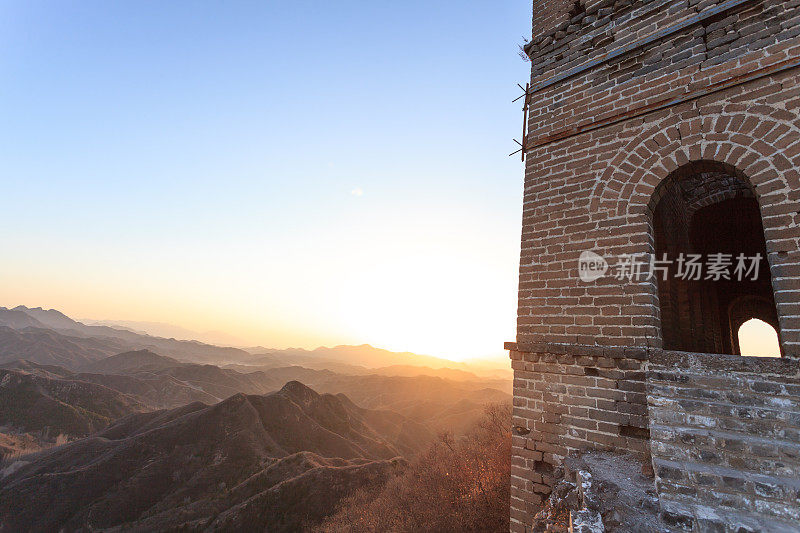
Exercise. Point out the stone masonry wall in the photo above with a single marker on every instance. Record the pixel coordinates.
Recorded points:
(600, 143)
(726, 441)
(621, 103)
(569, 399)
(592, 191)
(751, 35)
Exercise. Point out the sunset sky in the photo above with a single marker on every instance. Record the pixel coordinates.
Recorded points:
(292, 173)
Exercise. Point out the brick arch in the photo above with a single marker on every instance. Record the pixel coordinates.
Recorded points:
(690, 317)
(751, 145)
(705, 167)
(721, 188)
(743, 141)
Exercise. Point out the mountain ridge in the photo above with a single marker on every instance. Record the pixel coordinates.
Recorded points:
(227, 464)
(105, 341)
(35, 403)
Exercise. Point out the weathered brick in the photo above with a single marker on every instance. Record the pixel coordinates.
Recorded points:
(611, 168)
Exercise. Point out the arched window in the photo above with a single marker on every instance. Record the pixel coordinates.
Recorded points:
(758, 339)
(709, 210)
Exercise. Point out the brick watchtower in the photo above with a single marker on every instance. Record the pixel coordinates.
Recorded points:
(662, 128)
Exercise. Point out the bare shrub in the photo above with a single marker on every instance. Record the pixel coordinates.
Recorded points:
(456, 485)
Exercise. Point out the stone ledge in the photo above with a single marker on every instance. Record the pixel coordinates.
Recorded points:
(591, 350)
(782, 366)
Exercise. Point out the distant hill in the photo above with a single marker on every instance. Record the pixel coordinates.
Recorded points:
(49, 347)
(274, 462)
(152, 389)
(410, 371)
(370, 356)
(123, 339)
(115, 338)
(439, 393)
(168, 331)
(365, 356)
(160, 382)
(130, 361)
(49, 318)
(439, 403)
(169, 441)
(17, 319)
(34, 403)
(155, 391)
(48, 371)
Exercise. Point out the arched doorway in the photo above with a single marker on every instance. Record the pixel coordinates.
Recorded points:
(707, 223)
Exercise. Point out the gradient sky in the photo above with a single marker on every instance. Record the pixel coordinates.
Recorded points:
(293, 173)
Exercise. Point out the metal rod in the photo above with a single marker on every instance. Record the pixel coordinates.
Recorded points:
(525, 107)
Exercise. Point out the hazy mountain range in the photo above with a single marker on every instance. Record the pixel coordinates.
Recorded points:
(80, 343)
(92, 342)
(107, 428)
(161, 329)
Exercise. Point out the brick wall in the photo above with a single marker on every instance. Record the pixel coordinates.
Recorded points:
(592, 190)
(566, 399)
(726, 441)
(623, 104)
(752, 35)
(548, 15)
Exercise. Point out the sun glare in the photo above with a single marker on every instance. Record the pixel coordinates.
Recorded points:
(758, 339)
(420, 306)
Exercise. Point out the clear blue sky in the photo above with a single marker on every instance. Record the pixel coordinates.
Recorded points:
(295, 173)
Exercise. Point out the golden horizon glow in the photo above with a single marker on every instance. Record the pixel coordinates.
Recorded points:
(405, 286)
